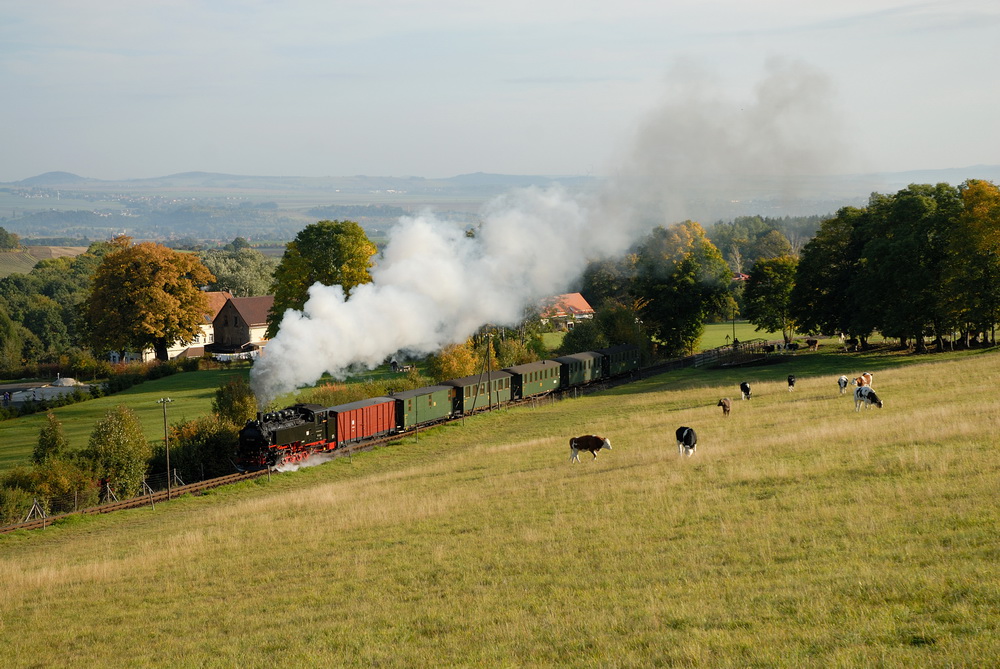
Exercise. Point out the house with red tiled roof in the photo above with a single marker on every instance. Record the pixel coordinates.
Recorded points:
(194, 348)
(241, 324)
(566, 309)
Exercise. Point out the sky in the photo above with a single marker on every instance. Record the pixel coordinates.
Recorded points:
(119, 89)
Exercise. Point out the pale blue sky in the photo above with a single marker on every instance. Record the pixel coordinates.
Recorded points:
(118, 89)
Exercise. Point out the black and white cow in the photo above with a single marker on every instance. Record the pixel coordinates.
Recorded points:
(590, 443)
(687, 441)
(745, 390)
(842, 382)
(791, 382)
(865, 395)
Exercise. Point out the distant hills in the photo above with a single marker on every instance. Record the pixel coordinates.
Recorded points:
(208, 205)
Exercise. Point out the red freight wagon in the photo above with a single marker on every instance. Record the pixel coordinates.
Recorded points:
(365, 418)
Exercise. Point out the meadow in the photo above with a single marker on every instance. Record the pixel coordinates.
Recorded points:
(801, 534)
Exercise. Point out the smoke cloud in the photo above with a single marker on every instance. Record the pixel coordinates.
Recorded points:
(434, 286)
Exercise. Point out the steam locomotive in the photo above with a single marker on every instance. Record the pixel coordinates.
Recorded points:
(296, 432)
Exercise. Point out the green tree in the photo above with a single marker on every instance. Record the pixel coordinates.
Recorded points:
(972, 266)
(767, 299)
(118, 451)
(244, 272)
(52, 440)
(822, 298)
(681, 280)
(333, 253)
(146, 295)
(235, 402)
(586, 335)
(907, 237)
(202, 448)
(8, 240)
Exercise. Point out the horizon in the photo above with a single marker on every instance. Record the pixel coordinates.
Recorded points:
(424, 88)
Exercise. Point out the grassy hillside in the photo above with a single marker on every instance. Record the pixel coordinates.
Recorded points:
(192, 393)
(801, 534)
(21, 261)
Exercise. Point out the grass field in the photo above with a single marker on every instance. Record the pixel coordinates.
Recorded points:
(801, 534)
(21, 261)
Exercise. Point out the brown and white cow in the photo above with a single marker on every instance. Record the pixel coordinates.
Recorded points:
(864, 380)
(589, 442)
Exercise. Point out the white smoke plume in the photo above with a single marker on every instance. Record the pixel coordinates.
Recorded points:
(433, 286)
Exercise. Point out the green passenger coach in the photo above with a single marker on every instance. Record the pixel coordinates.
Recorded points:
(580, 368)
(534, 378)
(422, 405)
(480, 391)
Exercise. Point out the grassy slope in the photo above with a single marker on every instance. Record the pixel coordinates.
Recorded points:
(801, 534)
(192, 393)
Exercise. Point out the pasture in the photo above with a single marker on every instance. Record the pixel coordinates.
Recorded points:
(800, 534)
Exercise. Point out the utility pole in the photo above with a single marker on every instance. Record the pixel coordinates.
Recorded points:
(166, 438)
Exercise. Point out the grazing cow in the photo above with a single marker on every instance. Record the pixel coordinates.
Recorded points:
(687, 441)
(842, 382)
(864, 380)
(791, 382)
(813, 344)
(865, 395)
(745, 390)
(727, 406)
(590, 443)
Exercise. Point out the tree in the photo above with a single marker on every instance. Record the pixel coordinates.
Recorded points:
(767, 298)
(234, 402)
(585, 336)
(203, 447)
(907, 237)
(52, 440)
(244, 272)
(972, 269)
(146, 295)
(118, 451)
(821, 299)
(8, 240)
(333, 253)
(454, 362)
(681, 280)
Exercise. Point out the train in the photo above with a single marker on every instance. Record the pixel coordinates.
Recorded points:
(294, 433)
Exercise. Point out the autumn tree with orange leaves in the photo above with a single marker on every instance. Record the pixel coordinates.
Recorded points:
(146, 295)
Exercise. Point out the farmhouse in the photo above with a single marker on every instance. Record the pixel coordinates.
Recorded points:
(566, 310)
(241, 325)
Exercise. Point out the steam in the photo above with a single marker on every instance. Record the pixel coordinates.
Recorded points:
(434, 286)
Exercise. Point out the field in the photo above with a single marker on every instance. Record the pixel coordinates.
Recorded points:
(21, 262)
(801, 534)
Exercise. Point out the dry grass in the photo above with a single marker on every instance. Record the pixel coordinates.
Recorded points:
(800, 534)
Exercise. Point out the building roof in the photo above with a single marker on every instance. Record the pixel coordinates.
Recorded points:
(216, 300)
(253, 310)
(569, 304)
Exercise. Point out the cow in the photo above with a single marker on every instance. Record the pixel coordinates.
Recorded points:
(813, 344)
(842, 382)
(791, 382)
(745, 390)
(865, 395)
(590, 443)
(864, 380)
(687, 441)
(727, 406)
